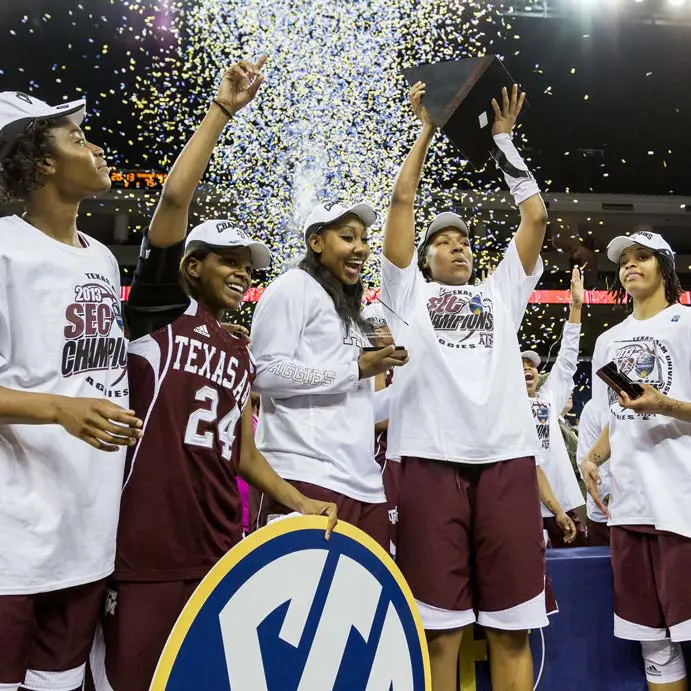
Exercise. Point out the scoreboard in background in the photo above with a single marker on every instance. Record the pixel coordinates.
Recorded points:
(137, 179)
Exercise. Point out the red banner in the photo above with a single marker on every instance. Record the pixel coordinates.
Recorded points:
(539, 297)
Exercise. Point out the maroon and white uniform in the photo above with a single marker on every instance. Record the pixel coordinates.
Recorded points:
(650, 478)
(60, 334)
(460, 421)
(181, 511)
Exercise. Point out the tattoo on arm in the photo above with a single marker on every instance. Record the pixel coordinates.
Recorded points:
(596, 458)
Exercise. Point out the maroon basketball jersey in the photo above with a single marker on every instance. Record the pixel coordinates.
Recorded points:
(181, 511)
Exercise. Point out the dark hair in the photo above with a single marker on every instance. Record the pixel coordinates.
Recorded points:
(20, 172)
(673, 289)
(347, 299)
(189, 284)
(421, 259)
(424, 268)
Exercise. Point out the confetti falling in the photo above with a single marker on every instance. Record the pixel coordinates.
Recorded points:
(332, 120)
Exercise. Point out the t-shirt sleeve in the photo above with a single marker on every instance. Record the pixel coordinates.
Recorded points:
(560, 383)
(277, 326)
(512, 284)
(156, 296)
(399, 288)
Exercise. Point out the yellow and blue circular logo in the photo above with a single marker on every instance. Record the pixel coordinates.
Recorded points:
(286, 610)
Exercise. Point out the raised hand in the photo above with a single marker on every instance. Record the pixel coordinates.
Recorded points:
(240, 83)
(415, 97)
(98, 422)
(506, 116)
(577, 290)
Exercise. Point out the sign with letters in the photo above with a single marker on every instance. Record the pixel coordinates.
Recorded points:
(286, 610)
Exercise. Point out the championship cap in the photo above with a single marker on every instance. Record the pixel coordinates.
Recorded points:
(223, 233)
(324, 214)
(18, 111)
(653, 241)
(442, 221)
(532, 356)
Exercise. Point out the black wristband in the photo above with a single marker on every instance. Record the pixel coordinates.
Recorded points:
(223, 108)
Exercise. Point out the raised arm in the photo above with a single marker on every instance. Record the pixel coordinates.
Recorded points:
(399, 233)
(531, 231)
(559, 384)
(239, 85)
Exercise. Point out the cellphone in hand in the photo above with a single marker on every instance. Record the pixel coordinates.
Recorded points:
(618, 381)
(371, 349)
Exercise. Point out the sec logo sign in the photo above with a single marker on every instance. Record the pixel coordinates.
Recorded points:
(285, 610)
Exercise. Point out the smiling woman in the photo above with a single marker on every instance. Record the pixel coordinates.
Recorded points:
(316, 383)
(190, 378)
(62, 356)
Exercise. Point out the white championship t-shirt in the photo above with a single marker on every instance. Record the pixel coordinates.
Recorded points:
(650, 463)
(590, 426)
(60, 333)
(462, 396)
(547, 406)
(316, 421)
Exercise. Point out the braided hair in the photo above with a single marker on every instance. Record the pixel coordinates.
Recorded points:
(673, 289)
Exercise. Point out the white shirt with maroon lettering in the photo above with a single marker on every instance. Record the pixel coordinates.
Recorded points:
(316, 421)
(60, 333)
(650, 463)
(547, 406)
(591, 423)
(462, 397)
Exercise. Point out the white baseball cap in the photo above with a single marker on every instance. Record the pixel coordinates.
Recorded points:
(19, 110)
(442, 221)
(323, 214)
(531, 355)
(653, 241)
(374, 314)
(223, 233)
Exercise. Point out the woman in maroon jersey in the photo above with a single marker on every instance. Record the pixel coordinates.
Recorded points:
(181, 511)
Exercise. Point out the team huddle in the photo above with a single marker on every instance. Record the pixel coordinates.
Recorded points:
(124, 433)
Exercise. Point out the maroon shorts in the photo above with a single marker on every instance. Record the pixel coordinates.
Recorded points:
(652, 595)
(598, 534)
(372, 519)
(137, 622)
(50, 633)
(470, 541)
(556, 536)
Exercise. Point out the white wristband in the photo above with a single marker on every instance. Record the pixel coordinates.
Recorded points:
(522, 184)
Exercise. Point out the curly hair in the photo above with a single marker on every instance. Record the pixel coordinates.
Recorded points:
(673, 289)
(347, 299)
(20, 172)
